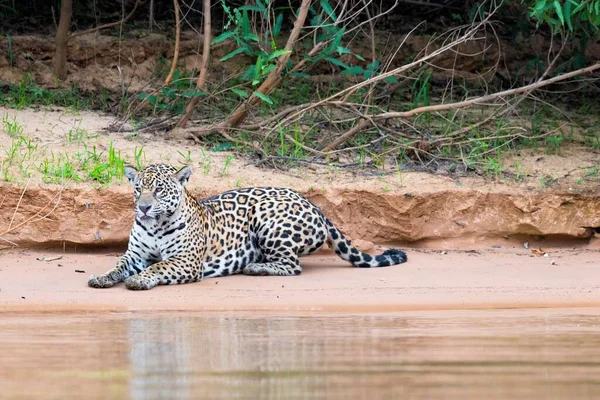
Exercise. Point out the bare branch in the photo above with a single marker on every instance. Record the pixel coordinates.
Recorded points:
(488, 98)
(109, 25)
(461, 104)
(274, 76)
(365, 123)
(201, 83)
(177, 36)
(469, 35)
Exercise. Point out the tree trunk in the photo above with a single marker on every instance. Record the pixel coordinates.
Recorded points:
(62, 38)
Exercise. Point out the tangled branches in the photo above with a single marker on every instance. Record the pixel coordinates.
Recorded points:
(368, 114)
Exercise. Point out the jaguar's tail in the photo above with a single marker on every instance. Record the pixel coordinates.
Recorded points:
(348, 252)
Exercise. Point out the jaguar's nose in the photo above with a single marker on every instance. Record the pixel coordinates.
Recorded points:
(144, 208)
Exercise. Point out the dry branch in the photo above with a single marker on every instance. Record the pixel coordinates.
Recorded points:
(274, 76)
(177, 36)
(109, 25)
(461, 104)
(201, 83)
(469, 35)
(485, 99)
(365, 123)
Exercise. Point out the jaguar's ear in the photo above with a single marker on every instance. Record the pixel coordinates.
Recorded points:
(183, 175)
(131, 173)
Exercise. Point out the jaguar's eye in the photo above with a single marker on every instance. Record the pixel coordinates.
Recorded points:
(158, 189)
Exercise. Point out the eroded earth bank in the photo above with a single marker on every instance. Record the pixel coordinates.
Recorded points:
(472, 241)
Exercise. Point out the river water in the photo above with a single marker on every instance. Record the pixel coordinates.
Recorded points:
(493, 354)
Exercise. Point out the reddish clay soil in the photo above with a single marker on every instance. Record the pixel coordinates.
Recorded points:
(506, 277)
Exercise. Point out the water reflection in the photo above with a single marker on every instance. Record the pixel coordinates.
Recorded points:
(496, 354)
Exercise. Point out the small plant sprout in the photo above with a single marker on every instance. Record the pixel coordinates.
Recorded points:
(228, 160)
(186, 156)
(11, 126)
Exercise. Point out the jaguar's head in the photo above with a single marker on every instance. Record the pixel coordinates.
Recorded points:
(158, 190)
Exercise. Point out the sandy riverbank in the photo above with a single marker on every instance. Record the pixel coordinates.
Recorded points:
(489, 278)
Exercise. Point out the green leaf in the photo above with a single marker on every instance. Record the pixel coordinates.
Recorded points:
(579, 7)
(98, 170)
(257, 70)
(373, 66)
(242, 93)
(263, 97)
(391, 79)
(277, 26)
(368, 73)
(567, 14)
(337, 62)
(223, 146)
(322, 37)
(233, 54)
(244, 22)
(343, 50)
(338, 38)
(266, 70)
(354, 70)
(249, 72)
(222, 37)
(316, 21)
(277, 54)
(361, 58)
(169, 92)
(559, 12)
(327, 7)
(193, 93)
(539, 7)
(261, 6)
(251, 36)
(145, 96)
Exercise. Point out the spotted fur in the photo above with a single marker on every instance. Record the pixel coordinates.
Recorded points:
(255, 231)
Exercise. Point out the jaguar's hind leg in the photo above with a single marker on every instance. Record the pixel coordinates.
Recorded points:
(288, 265)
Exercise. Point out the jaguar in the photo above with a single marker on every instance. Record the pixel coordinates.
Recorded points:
(178, 239)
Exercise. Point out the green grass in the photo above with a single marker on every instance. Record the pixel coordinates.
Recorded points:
(482, 148)
(186, 156)
(11, 127)
(88, 164)
(227, 164)
(79, 135)
(592, 171)
(206, 161)
(28, 94)
(22, 156)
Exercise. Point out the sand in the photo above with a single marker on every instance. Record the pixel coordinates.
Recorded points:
(431, 280)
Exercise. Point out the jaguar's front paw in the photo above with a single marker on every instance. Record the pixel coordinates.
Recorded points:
(255, 269)
(138, 282)
(100, 282)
